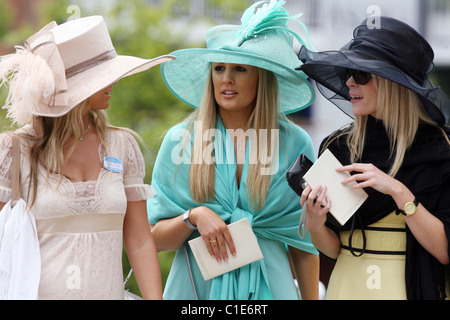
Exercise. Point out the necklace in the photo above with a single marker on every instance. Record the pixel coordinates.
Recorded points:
(85, 131)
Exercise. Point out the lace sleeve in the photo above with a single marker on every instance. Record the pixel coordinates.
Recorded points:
(134, 172)
(5, 166)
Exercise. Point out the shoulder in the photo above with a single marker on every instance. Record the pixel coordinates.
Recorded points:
(177, 131)
(176, 134)
(429, 136)
(289, 128)
(426, 133)
(120, 133)
(295, 138)
(336, 140)
(24, 135)
(6, 140)
(5, 147)
(118, 137)
(123, 143)
(434, 132)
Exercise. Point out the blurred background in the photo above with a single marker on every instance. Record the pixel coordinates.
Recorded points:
(149, 28)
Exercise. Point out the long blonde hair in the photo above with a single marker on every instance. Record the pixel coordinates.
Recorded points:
(401, 111)
(265, 115)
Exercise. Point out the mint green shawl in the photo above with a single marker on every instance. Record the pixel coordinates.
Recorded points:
(277, 220)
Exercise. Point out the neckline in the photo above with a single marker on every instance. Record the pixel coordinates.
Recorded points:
(100, 153)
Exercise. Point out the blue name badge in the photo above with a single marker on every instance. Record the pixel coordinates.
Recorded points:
(112, 164)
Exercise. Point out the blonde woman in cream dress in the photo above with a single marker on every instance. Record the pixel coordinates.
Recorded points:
(81, 177)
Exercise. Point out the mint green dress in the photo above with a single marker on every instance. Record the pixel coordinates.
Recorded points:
(275, 225)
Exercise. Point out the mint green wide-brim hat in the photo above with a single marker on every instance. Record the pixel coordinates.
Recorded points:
(270, 48)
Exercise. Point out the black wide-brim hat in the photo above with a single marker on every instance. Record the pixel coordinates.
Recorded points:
(391, 50)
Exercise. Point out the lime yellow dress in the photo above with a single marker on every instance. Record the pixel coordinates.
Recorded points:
(379, 272)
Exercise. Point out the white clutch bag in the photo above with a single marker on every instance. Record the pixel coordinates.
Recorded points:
(247, 251)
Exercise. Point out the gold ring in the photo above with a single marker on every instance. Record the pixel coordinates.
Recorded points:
(213, 240)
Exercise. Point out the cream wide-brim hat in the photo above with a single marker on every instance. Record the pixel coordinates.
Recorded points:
(90, 62)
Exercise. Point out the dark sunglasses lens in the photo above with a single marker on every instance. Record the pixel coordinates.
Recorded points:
(360, 77)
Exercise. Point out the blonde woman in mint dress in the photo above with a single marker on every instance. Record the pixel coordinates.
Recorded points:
(242, 82)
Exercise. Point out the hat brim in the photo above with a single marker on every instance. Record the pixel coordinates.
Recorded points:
(85, 84)
(329, 70)
(186, 76)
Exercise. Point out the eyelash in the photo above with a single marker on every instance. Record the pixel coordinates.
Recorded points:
(220, 68)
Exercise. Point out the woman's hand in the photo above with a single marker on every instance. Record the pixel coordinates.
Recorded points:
(425, 227)
(370, 176)
(316, 203)
(214, 232)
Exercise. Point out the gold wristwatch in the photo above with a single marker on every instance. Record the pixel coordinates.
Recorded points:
(410, 208)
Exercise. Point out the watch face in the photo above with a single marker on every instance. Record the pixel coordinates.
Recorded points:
(410, 208)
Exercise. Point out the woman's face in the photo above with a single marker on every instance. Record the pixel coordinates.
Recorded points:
(235, 86)
(100, 100)
(364, 98)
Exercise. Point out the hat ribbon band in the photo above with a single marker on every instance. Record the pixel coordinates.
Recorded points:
(51, 79)
(91, 63)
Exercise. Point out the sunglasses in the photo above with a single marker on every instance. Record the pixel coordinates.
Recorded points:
(360, 77)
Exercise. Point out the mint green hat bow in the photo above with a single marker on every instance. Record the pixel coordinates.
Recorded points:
(262, 40)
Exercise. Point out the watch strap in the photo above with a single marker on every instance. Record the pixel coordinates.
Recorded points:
(186, 220)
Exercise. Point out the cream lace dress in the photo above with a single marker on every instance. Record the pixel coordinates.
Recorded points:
(80, 224)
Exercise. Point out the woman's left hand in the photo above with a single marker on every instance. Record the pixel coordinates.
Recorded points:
(369, 175)
(425, 227)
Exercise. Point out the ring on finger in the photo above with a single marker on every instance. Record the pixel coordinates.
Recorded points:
(212, 241)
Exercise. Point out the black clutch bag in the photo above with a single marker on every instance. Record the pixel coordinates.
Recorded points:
(296, 172)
